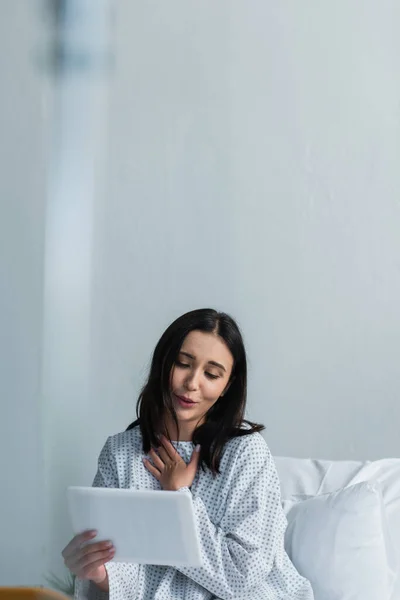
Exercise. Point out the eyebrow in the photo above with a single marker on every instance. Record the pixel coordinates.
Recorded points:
(210, 362)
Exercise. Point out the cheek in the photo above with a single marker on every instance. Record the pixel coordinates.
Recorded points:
(176, 379)
(213, 390)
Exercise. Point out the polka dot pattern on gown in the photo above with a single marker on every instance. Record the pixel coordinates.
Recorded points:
(240, 522)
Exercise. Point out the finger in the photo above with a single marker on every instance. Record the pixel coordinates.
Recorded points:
(80, 554)
(85, 572)
(164, 456)
(196, 454)
(169, 448)
(77, 542)
(97, 547)
(157, 462)
(194, 459)
(151, 469)
(90, 559)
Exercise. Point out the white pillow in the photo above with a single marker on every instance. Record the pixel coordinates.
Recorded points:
(340, 543)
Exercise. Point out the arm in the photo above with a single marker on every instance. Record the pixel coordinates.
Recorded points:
(121, 578)
(240, 552)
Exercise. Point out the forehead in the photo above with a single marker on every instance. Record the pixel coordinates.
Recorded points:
(207, 346)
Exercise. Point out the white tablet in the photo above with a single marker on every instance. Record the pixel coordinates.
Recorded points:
(146, 527)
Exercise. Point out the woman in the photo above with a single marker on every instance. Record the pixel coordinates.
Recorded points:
(196, 396)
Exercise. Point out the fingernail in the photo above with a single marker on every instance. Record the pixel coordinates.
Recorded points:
(198, 448)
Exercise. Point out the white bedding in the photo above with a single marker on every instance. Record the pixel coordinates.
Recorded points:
(312, 477)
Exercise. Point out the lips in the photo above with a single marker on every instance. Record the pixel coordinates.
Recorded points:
(183, 401)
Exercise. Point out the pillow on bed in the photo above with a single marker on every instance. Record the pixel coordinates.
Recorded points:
(340, 543)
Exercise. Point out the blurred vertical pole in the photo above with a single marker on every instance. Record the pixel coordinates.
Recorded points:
(78, 64)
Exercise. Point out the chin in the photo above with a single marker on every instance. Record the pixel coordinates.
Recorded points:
(183, 416)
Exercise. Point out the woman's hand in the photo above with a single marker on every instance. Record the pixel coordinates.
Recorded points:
(87, 561)
(170, 469)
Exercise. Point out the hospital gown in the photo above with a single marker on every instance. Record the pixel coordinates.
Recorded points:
(239, 520)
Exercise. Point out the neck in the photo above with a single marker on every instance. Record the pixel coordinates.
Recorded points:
(186, 431)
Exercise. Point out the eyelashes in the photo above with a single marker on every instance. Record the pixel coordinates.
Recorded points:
(186, 366)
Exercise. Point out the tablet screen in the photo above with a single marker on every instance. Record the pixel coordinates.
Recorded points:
(145, 526)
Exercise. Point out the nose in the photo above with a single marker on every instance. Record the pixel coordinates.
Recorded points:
(192, 381)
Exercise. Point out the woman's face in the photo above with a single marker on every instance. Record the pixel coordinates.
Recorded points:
(200, 375)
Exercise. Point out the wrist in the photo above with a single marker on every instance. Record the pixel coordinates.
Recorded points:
(103, 583)
(177, 488)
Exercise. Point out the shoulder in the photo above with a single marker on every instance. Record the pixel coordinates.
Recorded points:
(249, 459)
(124, 443)
(247, 448)
(252, 442)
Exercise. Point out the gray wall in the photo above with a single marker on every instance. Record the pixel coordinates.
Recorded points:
(254, 166)
(22, 197)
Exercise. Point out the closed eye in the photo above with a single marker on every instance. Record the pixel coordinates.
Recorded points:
(186, 366)
(180, 364)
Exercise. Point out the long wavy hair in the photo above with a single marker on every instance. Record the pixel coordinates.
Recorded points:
(225, 419)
